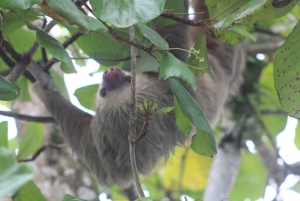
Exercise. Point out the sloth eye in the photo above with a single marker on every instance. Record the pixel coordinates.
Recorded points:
(102, 92)
(128, 79)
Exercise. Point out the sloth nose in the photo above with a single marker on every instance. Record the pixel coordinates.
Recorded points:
(111, 73)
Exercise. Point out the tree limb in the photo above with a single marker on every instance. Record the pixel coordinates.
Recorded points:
(27, 118)
(133, 115)
(41, 149)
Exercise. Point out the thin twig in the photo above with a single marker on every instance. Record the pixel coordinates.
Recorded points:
(41, 149)
(133, 115)
(104, 58)
(278, 112)
(143, 133)
(202, 23)
(27, 117)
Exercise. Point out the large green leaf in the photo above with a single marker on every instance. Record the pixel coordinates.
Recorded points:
(251, 179)
(269, 12)
(4, 134)
(198, 59)
(32, 139)
(173, 67)
(126, 13)
(182, 121)
(244, 11)
(29, 192)
(22, 40)
(8, 90)
(194, 113)
(69, 11)
(12, 174)
(153, 36)
(103, 45)
(23, 83)
(13, 143)
(18, 4)
(54, 47)
(220, 9)
(11, 22)
(268, 102)
(86, 95)
(287, 73)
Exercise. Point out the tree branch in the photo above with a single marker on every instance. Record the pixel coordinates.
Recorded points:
(133, 115)
(41, 149)
(278, 112)
(276, 171)
(27, 118)
(202, 23)
(105, 58)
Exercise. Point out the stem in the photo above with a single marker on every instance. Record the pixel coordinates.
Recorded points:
(133, 114)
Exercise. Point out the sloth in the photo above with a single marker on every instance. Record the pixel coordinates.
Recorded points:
(102, 140)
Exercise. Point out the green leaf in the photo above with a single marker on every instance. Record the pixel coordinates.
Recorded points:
(8, 91)
(126, 13)
(244, 11)
(198, 59)
(23, 83)
(96, 25)
(297, 136)
(86, 95)
(11, 22)
(203, 143)
(287, 73)
(12, 174)
(153, 36)
(182, 121)
(32, 139)
(253, 173)
(22, 40)
(141, 106)
(103, 45)
(269, 12)
(29, 192)
(72, 198)
(228, 36)
(243, 31)
(153, 106)
(13, 143)
(165, 110)
(171, 67)
(18, 4)
(194, 113)
(221, 9)
(268, 101)
(69, 11)
(54, 47)
(4, 134)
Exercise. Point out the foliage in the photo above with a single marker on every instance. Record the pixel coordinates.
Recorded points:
(231, 20)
